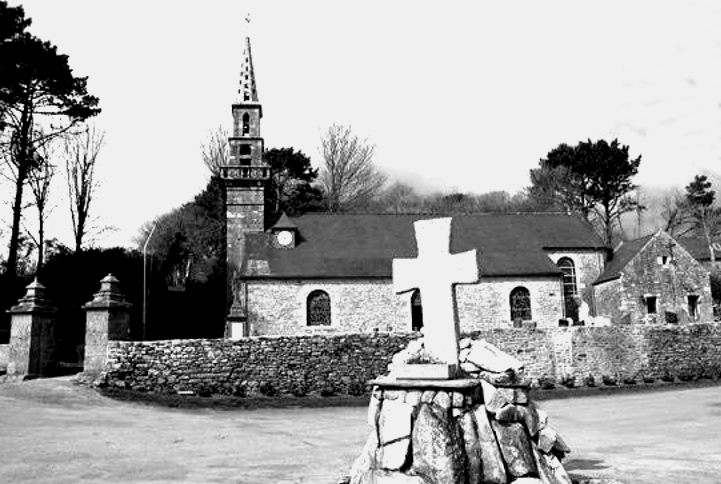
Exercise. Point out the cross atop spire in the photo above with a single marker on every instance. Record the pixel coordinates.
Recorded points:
(247, 91)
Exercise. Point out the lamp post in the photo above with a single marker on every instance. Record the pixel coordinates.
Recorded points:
(145, 279)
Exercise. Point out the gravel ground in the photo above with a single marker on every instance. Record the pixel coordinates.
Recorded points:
(53, 431)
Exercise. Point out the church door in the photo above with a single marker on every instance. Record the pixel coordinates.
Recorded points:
(416, 311)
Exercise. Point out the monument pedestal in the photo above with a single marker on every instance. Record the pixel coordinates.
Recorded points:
(458, 431)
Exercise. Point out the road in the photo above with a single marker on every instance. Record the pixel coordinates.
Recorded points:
(52, 431)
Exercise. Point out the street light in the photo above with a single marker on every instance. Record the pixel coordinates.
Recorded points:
(145, 279)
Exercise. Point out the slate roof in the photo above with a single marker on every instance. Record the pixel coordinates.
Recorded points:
(364, 245)
(698, 247)
(622, 256)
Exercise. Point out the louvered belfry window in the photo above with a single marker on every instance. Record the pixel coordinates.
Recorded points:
(520, 304)
(318, 309)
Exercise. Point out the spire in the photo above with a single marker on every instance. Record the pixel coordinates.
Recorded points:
(247, 92)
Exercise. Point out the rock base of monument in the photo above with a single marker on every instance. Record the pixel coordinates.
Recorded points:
(472, 430)
(424, 371)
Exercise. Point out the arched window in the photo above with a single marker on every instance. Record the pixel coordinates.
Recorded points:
(416, 311)
(520, 301)
(246, 123)
(570, 291)
(244, 150)
(318, 309)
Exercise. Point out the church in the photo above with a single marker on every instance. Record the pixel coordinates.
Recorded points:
(323, 273)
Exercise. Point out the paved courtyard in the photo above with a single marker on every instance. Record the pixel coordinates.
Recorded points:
(54, 432)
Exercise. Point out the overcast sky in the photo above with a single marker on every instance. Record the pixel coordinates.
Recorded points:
(456, 96)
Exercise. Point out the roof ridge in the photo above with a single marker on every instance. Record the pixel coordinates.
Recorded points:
(421, 212)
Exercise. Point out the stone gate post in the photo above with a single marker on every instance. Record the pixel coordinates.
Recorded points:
(32, 335)
(107, 317)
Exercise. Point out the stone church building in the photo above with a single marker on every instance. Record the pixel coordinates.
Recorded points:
(324, 273)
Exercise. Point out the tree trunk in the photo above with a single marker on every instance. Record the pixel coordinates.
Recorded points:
(41, 239)
(12, 265)
(608, 222)
(706, 233)
(22, 166)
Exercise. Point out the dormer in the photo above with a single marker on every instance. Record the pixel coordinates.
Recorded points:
(284, 233)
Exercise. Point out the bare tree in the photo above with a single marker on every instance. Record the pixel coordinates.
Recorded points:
(39, 180)
(348, 176)
(674, 214)
(81, 155)
(216, 151)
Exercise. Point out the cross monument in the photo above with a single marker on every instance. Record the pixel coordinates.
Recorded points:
(435, 272)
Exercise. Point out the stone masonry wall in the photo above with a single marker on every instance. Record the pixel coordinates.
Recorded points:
(342, 364)
(589, 265)
(671, 283)
(365, 306)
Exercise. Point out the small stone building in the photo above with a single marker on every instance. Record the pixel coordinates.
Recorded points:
(654, 279)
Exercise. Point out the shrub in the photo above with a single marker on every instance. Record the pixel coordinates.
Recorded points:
(589, 381)
(568, 381)
(356, 389)
(547, 382)
(327, 391)
(299, 389)
(204, 390)
(239, 390)
(267, 389)
(610, 380)
(629, 380)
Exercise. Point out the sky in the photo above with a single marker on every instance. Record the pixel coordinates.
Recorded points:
(461, 96)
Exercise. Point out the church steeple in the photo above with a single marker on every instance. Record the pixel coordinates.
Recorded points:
(245, 177)
(247, 90)
(245, 167)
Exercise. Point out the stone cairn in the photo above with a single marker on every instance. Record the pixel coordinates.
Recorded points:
(480, 428)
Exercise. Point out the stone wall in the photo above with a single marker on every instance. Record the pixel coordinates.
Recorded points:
(4, 349)
(296, 365)
(342, 364)
(365, 306)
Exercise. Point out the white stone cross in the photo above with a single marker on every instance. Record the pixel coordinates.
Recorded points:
(435, 272)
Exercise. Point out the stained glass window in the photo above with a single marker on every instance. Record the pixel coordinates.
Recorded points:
(570, 290)
(318, 309)
(520, 304)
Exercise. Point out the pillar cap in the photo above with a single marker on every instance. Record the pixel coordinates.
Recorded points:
(109, 295)
(33, 301)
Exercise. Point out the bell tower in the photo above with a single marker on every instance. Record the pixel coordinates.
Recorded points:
(245, 177)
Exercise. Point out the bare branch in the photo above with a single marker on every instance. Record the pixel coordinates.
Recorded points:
(215, 152)
(81, 154)
(349, 177)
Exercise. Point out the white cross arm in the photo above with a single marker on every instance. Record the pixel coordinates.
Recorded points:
(463, 268)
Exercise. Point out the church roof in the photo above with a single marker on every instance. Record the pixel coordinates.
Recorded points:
(698, 247)
(621, 257)
(364, 245)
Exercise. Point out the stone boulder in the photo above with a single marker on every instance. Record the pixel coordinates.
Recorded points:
(483, 429)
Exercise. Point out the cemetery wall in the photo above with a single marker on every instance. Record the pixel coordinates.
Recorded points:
(342, 364)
